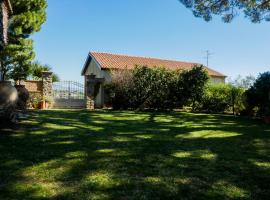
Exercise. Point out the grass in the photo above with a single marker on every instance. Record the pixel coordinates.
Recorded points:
(127, 155)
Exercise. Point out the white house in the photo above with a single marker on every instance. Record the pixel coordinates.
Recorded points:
(98, 65)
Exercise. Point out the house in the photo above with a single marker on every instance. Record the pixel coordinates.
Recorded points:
(98, 65)
(5, 11)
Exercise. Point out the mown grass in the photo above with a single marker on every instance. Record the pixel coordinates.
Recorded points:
(129, 155)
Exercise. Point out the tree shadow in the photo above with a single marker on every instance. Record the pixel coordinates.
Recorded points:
(135, 155)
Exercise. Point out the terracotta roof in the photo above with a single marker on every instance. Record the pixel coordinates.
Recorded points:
(113, 61)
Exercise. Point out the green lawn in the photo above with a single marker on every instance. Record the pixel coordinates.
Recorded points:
(135, 156)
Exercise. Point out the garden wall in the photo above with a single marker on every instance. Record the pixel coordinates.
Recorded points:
(33, 86)
(39, 91)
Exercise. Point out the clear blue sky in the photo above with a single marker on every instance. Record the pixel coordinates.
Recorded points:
(154, 28)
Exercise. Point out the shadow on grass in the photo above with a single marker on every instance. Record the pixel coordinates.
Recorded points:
(135, 155)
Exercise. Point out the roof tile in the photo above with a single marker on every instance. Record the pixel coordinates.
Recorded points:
(113, 61)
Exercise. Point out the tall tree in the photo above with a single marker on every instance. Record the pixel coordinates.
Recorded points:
(27, 18)
(255, 10)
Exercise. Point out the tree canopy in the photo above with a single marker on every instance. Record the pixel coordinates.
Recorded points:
(27, 18)
(17, 57)
(255, 10)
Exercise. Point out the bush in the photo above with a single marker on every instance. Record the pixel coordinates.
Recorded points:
(216, 99)
(238, 104)
(191, 86)
(118, 91)
(259, 95)
(155, 88)
(219, 98)
(35, 100)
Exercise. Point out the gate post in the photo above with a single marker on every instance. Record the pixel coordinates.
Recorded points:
(89, 98)
(47, 89)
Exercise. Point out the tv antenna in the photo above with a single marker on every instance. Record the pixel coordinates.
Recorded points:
(208, 55)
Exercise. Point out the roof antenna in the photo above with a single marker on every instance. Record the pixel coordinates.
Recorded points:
(208, 55)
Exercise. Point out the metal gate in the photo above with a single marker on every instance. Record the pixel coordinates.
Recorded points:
(68, 94)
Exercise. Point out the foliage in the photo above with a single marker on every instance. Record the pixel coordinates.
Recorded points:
(35, 100)
(37, 70)
(237, 99)
(259, 94)
(119, 90)
(191, 85)
(255, 10)
(216, 98)
(219, 98)
(16, 57)
(27, 18)
(16, 60)
(155, 88)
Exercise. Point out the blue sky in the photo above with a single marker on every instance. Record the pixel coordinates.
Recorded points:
(152, 28)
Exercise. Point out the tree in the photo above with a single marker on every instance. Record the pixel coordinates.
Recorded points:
(255, 10)
(245, 82)
(259, 94)
(27, 18)
(37, 70)
(192, 85)
(237, 98)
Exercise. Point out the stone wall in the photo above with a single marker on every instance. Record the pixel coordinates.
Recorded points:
(33, 86)
(41, 90)
(47, 90)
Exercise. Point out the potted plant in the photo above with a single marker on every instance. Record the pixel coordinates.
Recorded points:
(36, 101)
(47, 102)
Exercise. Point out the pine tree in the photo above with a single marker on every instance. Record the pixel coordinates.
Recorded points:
(16, 58)
(255, 10)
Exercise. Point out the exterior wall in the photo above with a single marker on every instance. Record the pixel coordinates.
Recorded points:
(39, 89)
(94, 69)
(217, 80)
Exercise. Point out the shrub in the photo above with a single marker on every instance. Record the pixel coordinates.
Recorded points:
(259, 95)
(35, 100)
(118, 91)
(237, 99)
(191, 86)
(216, 98)
(219, 98)
(155, 88)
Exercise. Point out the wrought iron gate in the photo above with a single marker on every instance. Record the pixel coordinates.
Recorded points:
(68, 94)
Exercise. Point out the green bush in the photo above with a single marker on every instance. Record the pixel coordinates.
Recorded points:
(238, 101)
(216, 98)
(155, 88)
(120, 90)
(220, 98)
(259, 95)
(192, 85)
